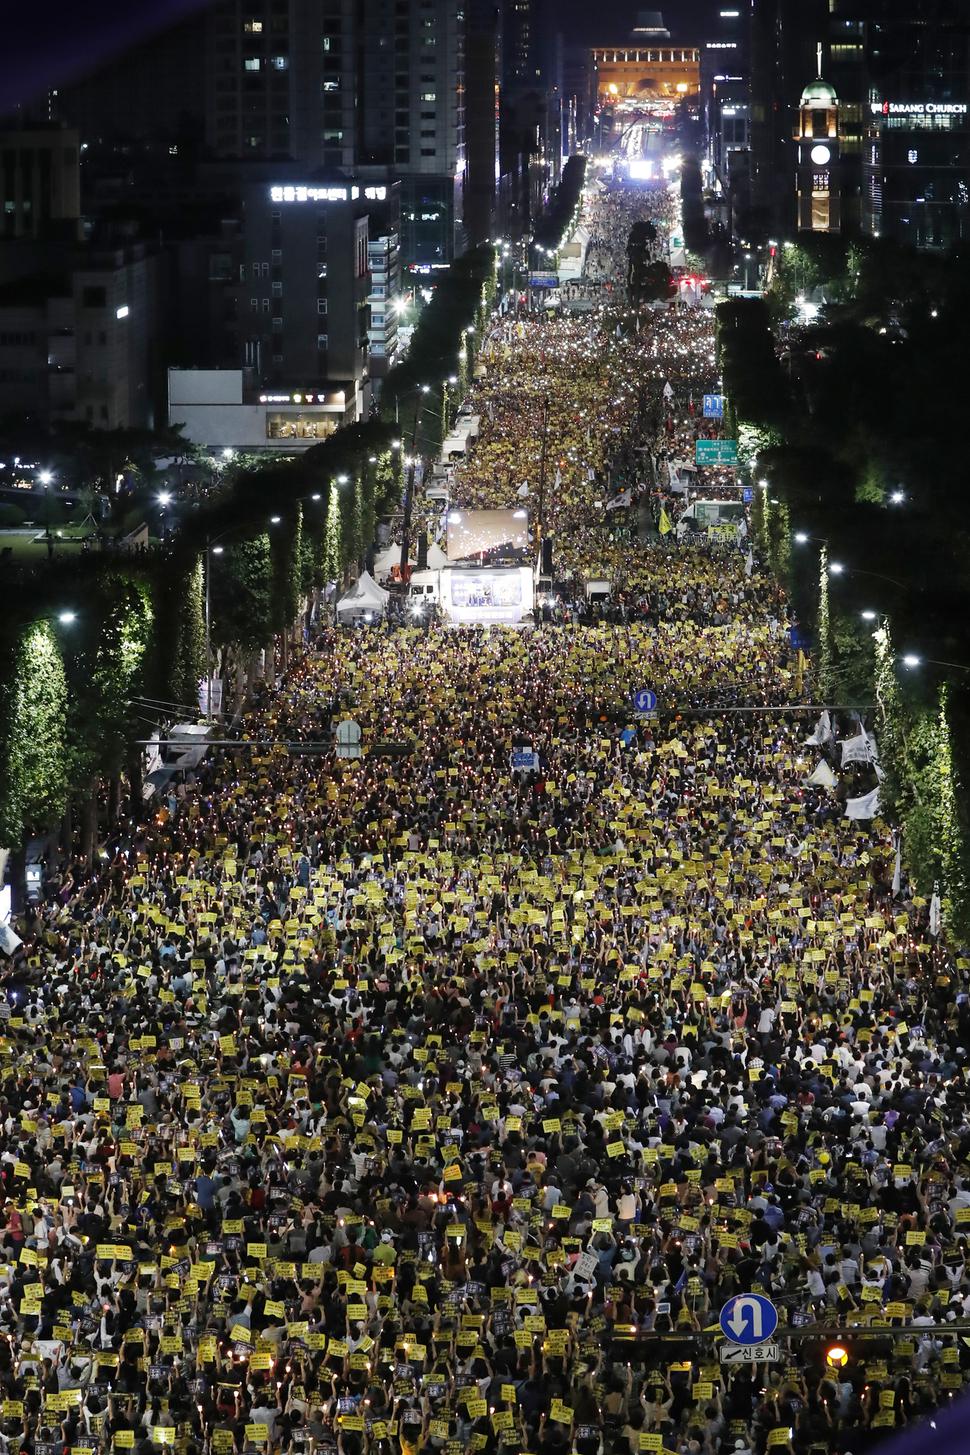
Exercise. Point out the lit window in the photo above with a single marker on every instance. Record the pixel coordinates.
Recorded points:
(429, 95)
(251, 63)
(280, 63)
(253, 27)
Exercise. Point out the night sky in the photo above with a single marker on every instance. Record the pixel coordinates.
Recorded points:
(48, 48)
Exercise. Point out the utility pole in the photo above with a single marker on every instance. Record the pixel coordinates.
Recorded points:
(542, 474)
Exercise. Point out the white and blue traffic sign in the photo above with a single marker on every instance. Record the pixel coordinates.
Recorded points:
(644, 700)
(713, 406)
(748, 1318)
(747, 494)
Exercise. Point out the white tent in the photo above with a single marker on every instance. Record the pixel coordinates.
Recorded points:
(437, 559)
(386, 560)
(365, 595)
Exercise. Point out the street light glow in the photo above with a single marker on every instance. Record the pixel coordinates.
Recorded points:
(164, 498)
(910, 659)
(45, 477)
(275, 519)
(229, 453)
(66, 617)
(868, 615)
(897, 497)
(801, 537)
(836, 568)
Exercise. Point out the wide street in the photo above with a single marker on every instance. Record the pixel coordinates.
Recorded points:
(421, 1104)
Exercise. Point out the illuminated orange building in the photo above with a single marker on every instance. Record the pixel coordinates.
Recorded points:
(644, 73)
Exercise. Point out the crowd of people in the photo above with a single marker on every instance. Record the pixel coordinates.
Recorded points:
(436, 1099)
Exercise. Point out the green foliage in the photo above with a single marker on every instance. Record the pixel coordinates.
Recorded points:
(33, 739)
(332, 553)
(124, 637)
(752, 372)
(825, 648)
(350, 525)
(555, 221)
(240, 594)
(286, 552)
(182, 630)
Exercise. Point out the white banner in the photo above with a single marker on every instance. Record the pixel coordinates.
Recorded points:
(865, 807)
(860, 749)
(216, 690)
(9, 942)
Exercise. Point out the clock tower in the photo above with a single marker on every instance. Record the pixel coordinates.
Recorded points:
(818, 199)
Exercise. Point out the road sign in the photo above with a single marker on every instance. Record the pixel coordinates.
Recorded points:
(747, 495)
(748, 1318)
(716, 452)
(749, 1353)
(645, 700)
(713, 406)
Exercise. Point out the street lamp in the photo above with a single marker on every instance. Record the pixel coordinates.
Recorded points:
(897, 497)
(66, 617)
(45, 478)
(911, 660)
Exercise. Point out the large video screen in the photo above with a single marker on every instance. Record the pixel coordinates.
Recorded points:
(487, 590)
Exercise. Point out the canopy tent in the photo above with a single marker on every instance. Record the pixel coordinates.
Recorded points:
(437, 559)
(386, 560)
(365, 595)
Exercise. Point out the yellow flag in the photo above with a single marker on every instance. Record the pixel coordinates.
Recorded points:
(665, 525)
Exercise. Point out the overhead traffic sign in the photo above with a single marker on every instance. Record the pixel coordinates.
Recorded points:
(748, 1318)
(716, 452)
(749, 1353)
(713, 406)
(645, 700)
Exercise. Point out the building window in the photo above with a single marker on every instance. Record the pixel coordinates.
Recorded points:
(254, 305)
(820, 181)
(276, 325)
(820, 211)
(277, 290)
(429, 95)
(293, 426)
(253, 27)
(251, 63)
(321, 305)
(280, 63)
(323, 342)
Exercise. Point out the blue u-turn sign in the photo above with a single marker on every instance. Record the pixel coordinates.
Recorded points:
(748, 1318)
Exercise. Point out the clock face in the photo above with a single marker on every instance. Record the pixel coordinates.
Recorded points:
(820, 155)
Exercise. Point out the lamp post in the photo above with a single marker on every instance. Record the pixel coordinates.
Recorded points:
(46, 478)
(912, 660)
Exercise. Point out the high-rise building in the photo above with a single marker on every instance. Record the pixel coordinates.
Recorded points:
(350, 86)
(901, 171)
(40, 183)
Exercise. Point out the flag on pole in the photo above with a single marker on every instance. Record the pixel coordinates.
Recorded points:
(936, 912)
(898, 869)
(822, 777)
(664, 525)
(625, 497)
(822, 733)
